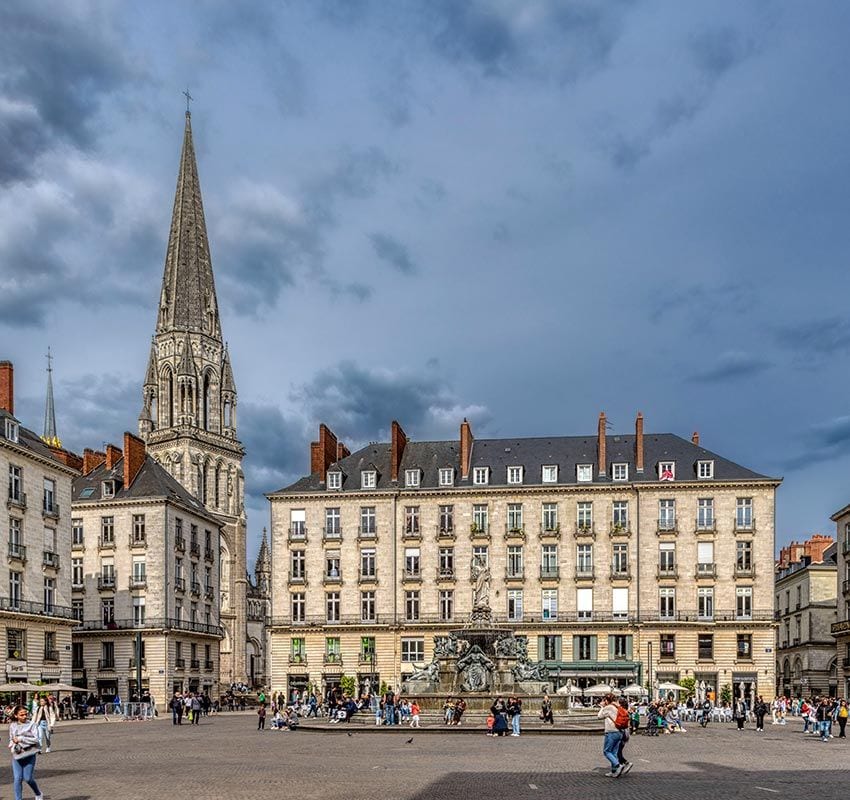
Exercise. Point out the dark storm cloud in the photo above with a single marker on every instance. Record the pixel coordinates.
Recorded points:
(823, 442)
(823, 337)
(57, 62)
(716, 50)
(359, 403)
(733, 366)
(473, 32)
(393, 252)
(701, 304)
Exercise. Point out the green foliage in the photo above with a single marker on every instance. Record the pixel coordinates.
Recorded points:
(726, 694)
(348, 684)
(689, 683)
(383, 689)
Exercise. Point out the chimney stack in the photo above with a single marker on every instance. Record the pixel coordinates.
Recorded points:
(399, 441)
(695, 438)
(7, 387)
(134, 458)
(639, 443)
(466, 439)
(92, 459)
(324, 452)
(342, 451)
(113, 455)
(66, 457)
(600, 446)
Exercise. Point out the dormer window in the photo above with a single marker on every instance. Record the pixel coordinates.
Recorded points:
(514, 474)
(412, 478)
(335, 480)
(584, 473)
(11, 430)
(368, 479)
(666, 470)
(481, 476)
(447, 476)
(620, 472)
(108, 489)
(550, 473)
(705, 469)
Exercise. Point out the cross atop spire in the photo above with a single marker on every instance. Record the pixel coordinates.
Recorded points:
(189, 98)
(49, 436)
(188, 299)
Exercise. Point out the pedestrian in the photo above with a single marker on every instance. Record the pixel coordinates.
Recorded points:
(822, 717)
(546, 711)
(498, 710)
(389, 706)
(515, 712)
(842, 719)
(623, 723)
(612, 736)
(23, 744)
(43, 722)
(177, 709)
(760, 711)
(414, 714)
(740, 713)
(196, 709)
(261, 718)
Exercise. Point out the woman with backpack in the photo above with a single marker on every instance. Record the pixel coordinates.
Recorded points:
(623, 724)
(760, 711)
(613, 735)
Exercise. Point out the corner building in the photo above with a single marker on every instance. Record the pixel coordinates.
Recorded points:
(642, 558)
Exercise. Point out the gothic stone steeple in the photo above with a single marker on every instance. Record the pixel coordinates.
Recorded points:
(188, 417)
(49, 436)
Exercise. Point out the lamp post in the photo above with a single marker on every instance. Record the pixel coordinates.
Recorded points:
(649, 670)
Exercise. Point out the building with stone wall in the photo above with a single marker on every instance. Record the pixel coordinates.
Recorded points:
(621, 558)
(841, 627)
(144, 562)
(805, 611)
(35, 594)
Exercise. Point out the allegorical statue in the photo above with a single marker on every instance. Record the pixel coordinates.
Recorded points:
(430, 672)
(481, 593)
(476, 670)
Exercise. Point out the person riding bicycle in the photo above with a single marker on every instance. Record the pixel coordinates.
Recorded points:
(706, 713)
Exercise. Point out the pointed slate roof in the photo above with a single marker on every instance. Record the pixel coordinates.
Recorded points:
(227, 383)
(188, 300)
(49, 436)
(150, 375)
(263, 560)
(187, 360)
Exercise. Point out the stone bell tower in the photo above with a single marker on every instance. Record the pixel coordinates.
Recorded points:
(189, 400)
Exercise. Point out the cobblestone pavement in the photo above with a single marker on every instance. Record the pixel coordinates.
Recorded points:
(226, 757)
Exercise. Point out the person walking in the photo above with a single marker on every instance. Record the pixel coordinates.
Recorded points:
(23, 744)
(389, 706)
(414, 714)
(623, 723)
(612, 735)
(842, 719)
(196, 709)
(177, 709)
(43, 721)
(261, 718)
(740, 713)
(546, 711)
(822, 717)
(515, 713)
(760, 711)
(498, 710)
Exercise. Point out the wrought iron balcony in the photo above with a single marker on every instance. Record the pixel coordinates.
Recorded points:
(179, 663)
(551, 530)
(745, 525)
(584, 573)
(106, 664)
(514, 574)
(138, 542)
(17, 552)
(370, 576)
(331, 534)
(620, 529)
(138, 582)
(195, 550)
(50, 509)
(515, 530)
(585, 530)
(298, 533)
(17, 499)
(209, 554)
(299, 577)
(180, 543)
(667, 572)
(106, 581)
(667, 526)
(106, 543)
(50, 559)
(179, 584)
(706, 570)
(445, 573)
(550, 573)
(706, 525)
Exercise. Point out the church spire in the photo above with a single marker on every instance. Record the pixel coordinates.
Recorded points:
(49, 436)
(188, 299)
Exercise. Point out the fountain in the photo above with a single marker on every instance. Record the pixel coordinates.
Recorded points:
(480, 658)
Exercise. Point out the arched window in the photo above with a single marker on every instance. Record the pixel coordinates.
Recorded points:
(202, 489)
(226, 414)
(205, 402)
(167, 409)
(218, 485)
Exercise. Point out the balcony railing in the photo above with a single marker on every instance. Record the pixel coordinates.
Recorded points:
(208, 665)
(412, 575)
(209, 554)
(138, 542)
(585, 530)
(370, 576)
(196, 588)
(479, 530)
(332, 658)
(195, 550)
(549, 573)
(706, 525)
(17, 499)
(411, 533)
(106, 581)
(333, 577)
(845, 547)
(195, 663)
(180, 543)
(621, 529)
(50, 559)
(17, 552)
(179, 663)
(845, 662)
(666, 525)
(367, 534)
(138, 581)
(50, 509)
(719, 616)
(584, 573)
(706, 570)
(446, 573)
(153, 623)
(298, 577)
(667, 572)
(297, 658)
(367, 658)
(745, 572)
(179, 584)
(620, 573)
(745, 525)
(106, 543)
(445, 530)
(41, 609)
(132, 663)
(514, 574)
(106, 664)
(331, 534)
(515, 530)
(298, 534)
(51, 655)
(354, 620)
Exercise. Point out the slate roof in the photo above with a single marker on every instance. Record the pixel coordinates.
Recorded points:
(28, 439)
(152, 482)
(531, 453)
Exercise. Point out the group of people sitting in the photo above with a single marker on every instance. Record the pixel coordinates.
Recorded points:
(453, 710)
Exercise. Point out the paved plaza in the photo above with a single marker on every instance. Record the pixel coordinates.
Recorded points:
(226, 757)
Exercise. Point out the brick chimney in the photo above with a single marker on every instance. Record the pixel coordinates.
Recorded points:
(67, 458)
(639, 443)
(7, 387)
(324, 452)
(134, 458)
(92, 459)
(342, 451)
(600, 446)
(399, 441)
(695, 438)
(466, 439)
(113, 456)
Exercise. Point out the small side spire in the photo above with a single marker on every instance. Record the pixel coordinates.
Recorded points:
(49, 436)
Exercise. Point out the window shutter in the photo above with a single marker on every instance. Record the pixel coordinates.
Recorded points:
(593, 649)
(541, 648)
(558, 648)
(610, 647)
(575, 648)
(629, 647)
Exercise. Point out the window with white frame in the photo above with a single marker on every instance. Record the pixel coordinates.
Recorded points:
(744, 602)
(481, 476)
(666, 515)
(333, 526)
(515, 605)
(297, 561)
(447, 476)
(584, 473)
(744, 513)
(50, 495)
(705, 513)
(481, 555)
(666, 470)
(139, 611)
(667, 603)
(705, 602)
(447, 604)
(16, 484)
(515, 517)
(705, 469)
(12, 429)
(446, 559)
(411, 519)
(515, 561)
(412, 650)
(705, 558)
(297, 523)
(76, 572)
(584, 558)
(108, 489)
(514, 474)
(332, 606)
(550, 473)
(584, 513)
(367, 520)
(367, 562)
(550, 517)
(368, 479)
(549, 561)
(620, 515)
(620, 472)
(411, 478)
(411, 606)
(584, 603)
(367, 606)
(335, 480)
(480, 518)
(620, 558)
(332, 563)
(447, 519)
(549, 604)
(411, 562)
(620, 603)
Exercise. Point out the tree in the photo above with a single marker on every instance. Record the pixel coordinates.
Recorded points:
(348, 684)
(726, 694)
(689, 683)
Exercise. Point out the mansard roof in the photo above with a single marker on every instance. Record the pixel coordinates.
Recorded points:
(29, 440)
(533, 453)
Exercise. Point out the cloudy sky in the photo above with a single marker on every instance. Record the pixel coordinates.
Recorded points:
(522, 213)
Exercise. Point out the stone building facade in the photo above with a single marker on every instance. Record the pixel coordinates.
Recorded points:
(189, 412)
(841, 628)
(624, 558)
(259, 610)
(35, 594)
(144, 563)
(805, 603)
